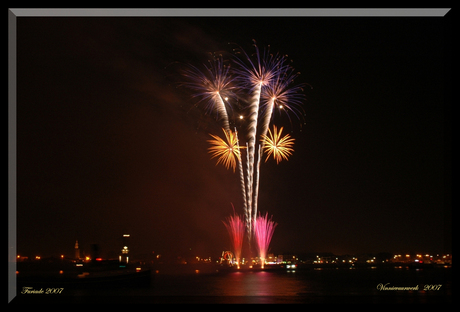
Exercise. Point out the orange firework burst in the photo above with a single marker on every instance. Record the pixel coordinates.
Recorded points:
(227, 150)
(280, 147)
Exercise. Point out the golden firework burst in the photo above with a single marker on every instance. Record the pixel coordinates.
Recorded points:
(280, 147)
(227, 150)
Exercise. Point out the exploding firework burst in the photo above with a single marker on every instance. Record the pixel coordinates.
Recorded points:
(227, 150)
(267, 79)
(279, 147)
(259, 69)
(254, 73)
(280, 95)
(213, 86)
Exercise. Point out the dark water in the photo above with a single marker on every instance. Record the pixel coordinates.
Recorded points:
(301, 286)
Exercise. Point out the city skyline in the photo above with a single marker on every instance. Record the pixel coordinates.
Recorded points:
(92, 253)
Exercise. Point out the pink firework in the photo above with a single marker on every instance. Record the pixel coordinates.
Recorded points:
(263, 232)
(236, 229)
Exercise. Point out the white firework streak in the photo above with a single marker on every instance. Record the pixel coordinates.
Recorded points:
(267, 77)
(256, 190)
(253, 116)
(222, 111)
(243, 186)
(248, 210)
(268, 116)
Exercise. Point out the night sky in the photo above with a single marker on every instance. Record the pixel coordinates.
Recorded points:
(107, 143)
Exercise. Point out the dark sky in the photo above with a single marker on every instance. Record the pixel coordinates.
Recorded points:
(107, 143)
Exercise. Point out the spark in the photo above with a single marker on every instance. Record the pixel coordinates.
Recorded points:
(279, 147)
(285, 95)
(236, 228)
(254, 73)
(213, 85)
(227, 150)
(259, 69)
(263, 82)
(279, 93)
(263, 231)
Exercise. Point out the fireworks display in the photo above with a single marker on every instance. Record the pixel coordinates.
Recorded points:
(213, 85)
(263, 230)
(227, 150)
(263, 82)
(236, 229)
(279, 147)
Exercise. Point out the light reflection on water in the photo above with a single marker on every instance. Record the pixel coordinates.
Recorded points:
(259, 284)
(308, 286)
(237, 283)
(300, 286)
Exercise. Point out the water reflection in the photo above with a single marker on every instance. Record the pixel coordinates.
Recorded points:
(301, 286)
(260, 284)
(313, 285)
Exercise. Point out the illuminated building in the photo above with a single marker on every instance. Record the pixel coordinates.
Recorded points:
(123, 257)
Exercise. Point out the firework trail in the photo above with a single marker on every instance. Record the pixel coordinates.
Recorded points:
(236, 229)
(229, 155)
(240, 169)
(263, 232)
(279, 94)
(252, 129)
(212, 85)
(267, 80)
(256, 186)
(247, 212)
(255, 75)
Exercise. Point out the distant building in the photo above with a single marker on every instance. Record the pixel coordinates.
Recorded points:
(77, 250)
(286, 259)
(123, 257)
(271, 259)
